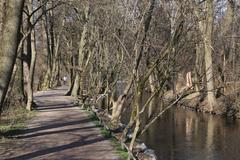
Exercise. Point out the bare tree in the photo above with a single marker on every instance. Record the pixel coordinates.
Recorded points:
(9, 43)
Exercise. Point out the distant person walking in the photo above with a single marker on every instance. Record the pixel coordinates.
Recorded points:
(64, 80)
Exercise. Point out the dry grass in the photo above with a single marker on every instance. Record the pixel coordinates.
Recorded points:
(13, 121)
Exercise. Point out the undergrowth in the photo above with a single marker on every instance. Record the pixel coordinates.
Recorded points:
(122, 153)
(13, 121)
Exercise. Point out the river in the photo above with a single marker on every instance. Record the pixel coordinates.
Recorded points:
(182, 134)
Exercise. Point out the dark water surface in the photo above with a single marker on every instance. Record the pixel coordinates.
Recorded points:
(182, 134)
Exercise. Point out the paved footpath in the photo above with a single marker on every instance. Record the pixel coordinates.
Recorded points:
(59, 131)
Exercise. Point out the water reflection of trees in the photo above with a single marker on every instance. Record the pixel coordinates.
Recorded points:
(191, 135)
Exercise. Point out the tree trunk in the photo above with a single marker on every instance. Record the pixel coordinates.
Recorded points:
(2, 11)
(153, 89)
(9, 44)
(54, 62)
(26, 63)
(32, 63)
(208, 55)
(138, 123)
(81, 52)
(70, 66)
(21, 79)
(228, 28)
(206, 28)
(198, 68)
(31, 72)
(56, 55)
(8, 99)
(76, 85)
(47, 76)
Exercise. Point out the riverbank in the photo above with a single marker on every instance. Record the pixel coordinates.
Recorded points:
(121, 152)
(225, 106)
(140, 150)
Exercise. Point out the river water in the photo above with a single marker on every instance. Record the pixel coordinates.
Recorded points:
(182, 134)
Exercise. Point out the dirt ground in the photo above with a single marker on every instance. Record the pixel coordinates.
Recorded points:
(59, 131)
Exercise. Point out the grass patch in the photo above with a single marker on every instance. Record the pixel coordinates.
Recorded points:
(13, 121)
(98, 123)
(93, 117)
(122, 153)
(106, 133)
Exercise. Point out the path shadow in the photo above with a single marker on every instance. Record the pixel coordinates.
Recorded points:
(54, 126)
(48, 95)
(78, 143)
(59, 91)
(61, 88)
(55, 132)
(54, 106)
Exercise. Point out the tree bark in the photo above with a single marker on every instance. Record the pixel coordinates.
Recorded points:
(47, 76)
(2, 11)
(208, 55)
(31, 73)
(56, 55)
(206, 28)
(9, 44)
(198, 68)
(70, 66)
(32, 62)
(81, 52)
(21, 79)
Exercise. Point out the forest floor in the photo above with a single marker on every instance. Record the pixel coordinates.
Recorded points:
(60, 131)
